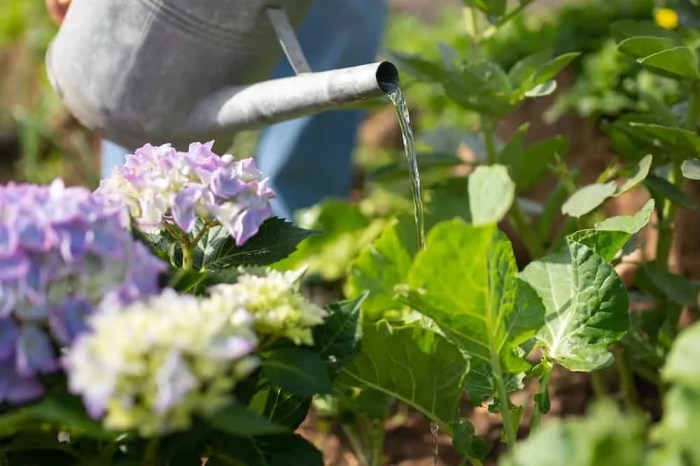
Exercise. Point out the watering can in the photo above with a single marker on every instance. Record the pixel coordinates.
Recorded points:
(137, 71)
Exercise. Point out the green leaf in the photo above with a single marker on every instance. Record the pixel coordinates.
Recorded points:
(630, 224)
(286, 409)
(691, 169)
(641, 171)
(643, 46)
(586, 306)
(337, 341)
(466, 442)
(661, 187)
(541, 90)
(481, 385)
(490, 7)
(604, 243)
(588, 198)
(382, 265)
(530, 165)
(491, 194)
(62, 412)
(237, 419)
(344, 231)
(680, 139)
(414, 365)
(676, 62)
(465, 281)
(676, 431)
(538, 71)
(658, 280)
(606, 437)
(269, 450)
(298, 371)
(624, 29)
(276, 240)
(612, 234)
(481, 86)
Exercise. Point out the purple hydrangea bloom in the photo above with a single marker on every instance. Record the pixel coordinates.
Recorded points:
(62, 252)
(162, 186)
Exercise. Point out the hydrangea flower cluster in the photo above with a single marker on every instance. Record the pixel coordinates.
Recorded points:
(62, 251)
(152, 365)
(274, 300)
(163, 187)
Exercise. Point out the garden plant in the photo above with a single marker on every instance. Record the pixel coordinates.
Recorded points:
(162, 318)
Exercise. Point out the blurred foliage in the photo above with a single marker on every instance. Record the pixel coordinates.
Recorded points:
(38, 140)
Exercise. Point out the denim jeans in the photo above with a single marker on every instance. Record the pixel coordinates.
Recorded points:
(309, 158)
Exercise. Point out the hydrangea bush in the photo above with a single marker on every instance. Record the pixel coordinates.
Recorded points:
(102, 338)
(62, 252)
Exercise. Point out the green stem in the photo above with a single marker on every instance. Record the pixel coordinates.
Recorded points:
(599, 387)
(624, 370)
(490, 142)
(506, 18)
(544, 391)
(508, 426)
(187, 256)
(526, 231)
(150, 457)
(471, 22)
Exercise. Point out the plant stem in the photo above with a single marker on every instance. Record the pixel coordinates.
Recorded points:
(508, 426)
(506, 18)
(599, 388)
(626, 378)
(490, 142)
(150, 457)
(544, 388)
(527, 233)
(187, 256)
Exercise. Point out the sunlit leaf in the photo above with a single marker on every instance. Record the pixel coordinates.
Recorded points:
(588, 198)
(586, 306)
(491, 194)
(412, 364)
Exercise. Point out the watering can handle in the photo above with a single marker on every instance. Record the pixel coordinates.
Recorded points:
(288, 40)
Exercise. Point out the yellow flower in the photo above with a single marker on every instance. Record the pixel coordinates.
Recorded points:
(666, 18)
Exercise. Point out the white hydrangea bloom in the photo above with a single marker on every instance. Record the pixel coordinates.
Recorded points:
(152, 365)
(274, 301)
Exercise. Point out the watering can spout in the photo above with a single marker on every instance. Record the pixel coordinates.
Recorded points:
(245, 107)
(181, 70)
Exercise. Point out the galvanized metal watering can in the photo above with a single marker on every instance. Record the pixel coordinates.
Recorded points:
(138, 71)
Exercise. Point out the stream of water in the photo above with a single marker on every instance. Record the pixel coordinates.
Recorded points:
(404, 118)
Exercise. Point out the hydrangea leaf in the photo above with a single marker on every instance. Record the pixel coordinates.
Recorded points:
(285, 408)
(382, 265)
(275, 240)
(588, 198)
(62, 412)
(337, 341)
(298, 371)
(491, 193)
(237, 419)
(268, 450)
(586, 306)
(605, 437)
(465, 280)
(410, 363)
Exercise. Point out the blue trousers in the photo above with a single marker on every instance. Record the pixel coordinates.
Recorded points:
(309, 158)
